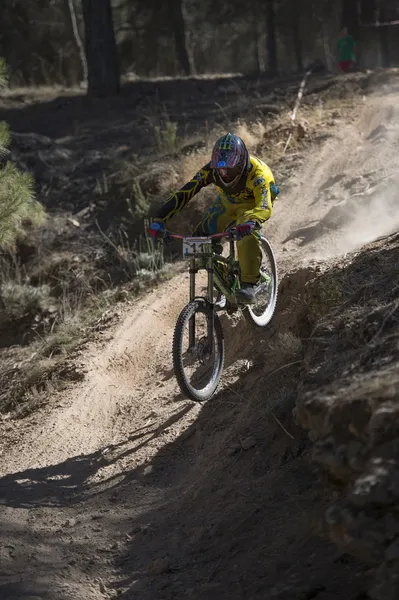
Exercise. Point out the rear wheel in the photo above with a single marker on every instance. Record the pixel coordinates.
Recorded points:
(198, 369)
(261, 312)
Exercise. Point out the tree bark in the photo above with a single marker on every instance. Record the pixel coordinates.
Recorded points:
(296, 34)
(78, 39)
(100, 47)
(384, 41)
(271, 37)
(179, 32)
(259, 40)
(350, 17)
(367, 11)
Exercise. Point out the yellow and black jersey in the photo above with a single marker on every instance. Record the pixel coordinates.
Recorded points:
(256, 189)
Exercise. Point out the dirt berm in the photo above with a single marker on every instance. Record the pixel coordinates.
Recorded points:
(286, 485)
(349, 399)
(250, 517)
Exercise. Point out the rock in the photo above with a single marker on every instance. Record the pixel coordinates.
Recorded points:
(233, 449)
(158, 181)
(26, 598)
(195, 147)
(302, 129)
(148, 470)
(70, 523)
(248, 442)
(159, 566)
(355, 182)
(268, 108)
(392, 552)
(102, 587)
(30, 141)
(378, 132)
(73, 222)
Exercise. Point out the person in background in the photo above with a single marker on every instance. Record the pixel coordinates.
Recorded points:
(346, 51)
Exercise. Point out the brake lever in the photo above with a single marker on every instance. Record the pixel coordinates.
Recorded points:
(164, 239)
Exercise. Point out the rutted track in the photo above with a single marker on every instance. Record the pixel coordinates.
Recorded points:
(60, 464)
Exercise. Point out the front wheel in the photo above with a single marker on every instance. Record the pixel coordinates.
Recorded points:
(261, 312)
(198, 367)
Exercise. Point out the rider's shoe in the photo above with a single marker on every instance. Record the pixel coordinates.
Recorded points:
(246, 293)
(220, 301)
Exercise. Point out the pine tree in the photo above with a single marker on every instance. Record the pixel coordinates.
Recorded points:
(18, 205)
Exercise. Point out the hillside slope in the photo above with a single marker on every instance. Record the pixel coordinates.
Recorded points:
(121, 487)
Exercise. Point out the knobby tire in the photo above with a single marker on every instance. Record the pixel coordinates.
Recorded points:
(187, 389)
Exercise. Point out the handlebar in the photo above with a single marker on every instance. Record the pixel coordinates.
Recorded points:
(214, 236)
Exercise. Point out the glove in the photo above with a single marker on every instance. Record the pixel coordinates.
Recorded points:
(155, 229)
(274, 191)
(245, 229)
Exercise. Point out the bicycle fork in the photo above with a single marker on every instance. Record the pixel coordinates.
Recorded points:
(211, 319)
(191, 327)
(210, 296)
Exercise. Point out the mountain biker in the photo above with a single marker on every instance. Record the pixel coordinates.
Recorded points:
(246, 193)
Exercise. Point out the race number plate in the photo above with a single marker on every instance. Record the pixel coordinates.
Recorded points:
(197, 246)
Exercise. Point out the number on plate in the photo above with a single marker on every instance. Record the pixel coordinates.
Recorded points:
(197, 246)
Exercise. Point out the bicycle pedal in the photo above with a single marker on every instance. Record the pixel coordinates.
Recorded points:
(265, 277)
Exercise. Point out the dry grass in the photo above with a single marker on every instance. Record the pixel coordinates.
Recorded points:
(165, 136)
(324, 295)
(286, 346)
(140, 189)
(20, 299)
(47, 363)
(253, 134)
(193, 163)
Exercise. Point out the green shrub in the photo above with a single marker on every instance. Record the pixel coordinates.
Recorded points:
(166, 136)
(18, 206)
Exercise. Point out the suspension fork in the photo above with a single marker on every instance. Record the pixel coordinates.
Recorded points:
(210, 296)
(232, 255)
(191, 327)
(211, 320)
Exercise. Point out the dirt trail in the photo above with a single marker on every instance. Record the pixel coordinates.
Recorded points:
(131, 371)
(60, 464)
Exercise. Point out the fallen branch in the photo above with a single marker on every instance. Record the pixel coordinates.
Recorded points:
(297, 104)
(109, 241)
(281, 425)
(295, 362)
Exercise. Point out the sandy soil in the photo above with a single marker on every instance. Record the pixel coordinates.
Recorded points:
(74, 475)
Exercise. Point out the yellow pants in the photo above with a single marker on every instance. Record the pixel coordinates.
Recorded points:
(222, 214)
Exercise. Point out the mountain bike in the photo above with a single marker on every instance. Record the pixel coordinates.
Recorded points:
(198, 343)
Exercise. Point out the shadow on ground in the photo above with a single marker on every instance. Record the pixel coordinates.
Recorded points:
(227, 510)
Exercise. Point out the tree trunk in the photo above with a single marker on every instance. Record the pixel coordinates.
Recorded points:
(100, 47)
(296, 34)
(350, 17)
(384, 41)
(78, 39)
(367, 12)
(259, 41)
(326, 46)
(271, 37)
(179, 32)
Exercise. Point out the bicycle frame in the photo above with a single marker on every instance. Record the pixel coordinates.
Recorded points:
(213, 278)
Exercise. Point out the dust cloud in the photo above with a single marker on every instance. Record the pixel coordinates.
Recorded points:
(356, 183)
